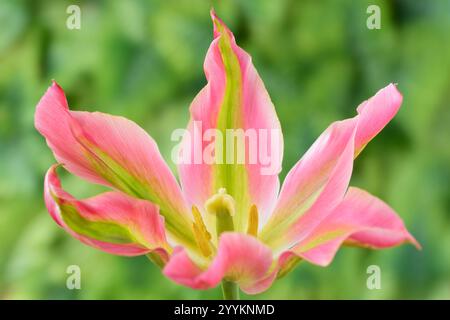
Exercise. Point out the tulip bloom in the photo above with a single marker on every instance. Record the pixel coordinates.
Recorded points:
(225, 223)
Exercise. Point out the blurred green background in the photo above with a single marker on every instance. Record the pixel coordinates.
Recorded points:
(143, 60)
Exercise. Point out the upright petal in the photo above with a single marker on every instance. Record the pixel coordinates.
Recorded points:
(240, 258)
(308, 194)
(112, 151)
(112, 222)
(360, 219)
(234, 98)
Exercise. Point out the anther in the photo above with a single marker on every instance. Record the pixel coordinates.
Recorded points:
(201, 234)
(252, 227)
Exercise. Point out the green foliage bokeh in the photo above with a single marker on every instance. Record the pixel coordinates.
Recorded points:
(143, 60)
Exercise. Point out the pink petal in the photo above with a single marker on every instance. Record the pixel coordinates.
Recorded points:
(132, 226)
(315, 185)
(250, 183)
(240, 258)
(360, 219)
(265, 283)
(112, 151)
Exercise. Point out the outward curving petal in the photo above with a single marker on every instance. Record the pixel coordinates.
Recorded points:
(240, 258)
(234, 98)
(314, 186)
(112, 222)
(375, 114)
(360, 219)
(112, 151)
(317, 183)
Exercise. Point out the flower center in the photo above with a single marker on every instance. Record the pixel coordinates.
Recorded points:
(222, 208)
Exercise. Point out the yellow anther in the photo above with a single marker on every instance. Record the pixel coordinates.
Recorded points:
(202, 242)
(252, 228)
(201, 234)
(199, 222)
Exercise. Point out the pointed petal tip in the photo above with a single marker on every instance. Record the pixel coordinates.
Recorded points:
(219, 26)
(55, 87)
(396, 95)
(215, 21)
(414, 242)
(212, 13)
(214, 16)
(389, 95)
(53, 99)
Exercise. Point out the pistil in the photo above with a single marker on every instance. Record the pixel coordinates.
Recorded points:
(223, 207)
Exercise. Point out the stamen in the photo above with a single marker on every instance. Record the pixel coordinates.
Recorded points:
(222, 206)
(199, 222)
(201, 234)
(252, 228)
(202, 242)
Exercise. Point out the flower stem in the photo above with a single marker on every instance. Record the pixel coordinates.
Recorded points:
(230, 290)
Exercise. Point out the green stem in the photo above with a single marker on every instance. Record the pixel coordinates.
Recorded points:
(230, 290)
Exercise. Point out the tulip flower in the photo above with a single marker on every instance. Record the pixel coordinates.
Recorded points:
(225, 222)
